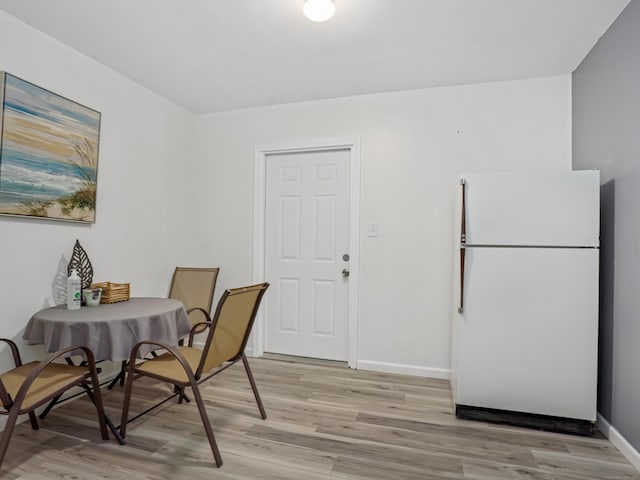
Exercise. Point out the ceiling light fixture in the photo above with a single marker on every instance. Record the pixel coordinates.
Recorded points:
(319, 10)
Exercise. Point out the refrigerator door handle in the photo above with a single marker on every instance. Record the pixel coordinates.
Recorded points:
(463, 241)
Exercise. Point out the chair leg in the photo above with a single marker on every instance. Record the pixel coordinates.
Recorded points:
(8, 430)
(97, 400)
(263, 414)
(206, 423)
(125, 404)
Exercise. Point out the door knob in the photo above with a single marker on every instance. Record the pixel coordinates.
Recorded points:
(345, 272)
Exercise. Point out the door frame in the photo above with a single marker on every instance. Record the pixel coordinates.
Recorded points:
(259, 223)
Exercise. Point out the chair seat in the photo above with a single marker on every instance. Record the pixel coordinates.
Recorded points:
(47, 383)
(166, 366)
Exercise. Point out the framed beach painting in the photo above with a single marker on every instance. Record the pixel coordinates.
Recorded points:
(48, 153)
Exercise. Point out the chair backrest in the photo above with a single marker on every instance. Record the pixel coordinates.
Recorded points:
(232, 322)
(194, 287)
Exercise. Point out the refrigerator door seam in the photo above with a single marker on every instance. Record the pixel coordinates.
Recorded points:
(472, 245)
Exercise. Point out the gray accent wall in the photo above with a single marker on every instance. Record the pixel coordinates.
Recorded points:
(606, 136)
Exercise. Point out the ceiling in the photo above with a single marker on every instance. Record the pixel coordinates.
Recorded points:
(216, 55)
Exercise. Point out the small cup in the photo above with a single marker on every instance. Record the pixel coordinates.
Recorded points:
(92, 296)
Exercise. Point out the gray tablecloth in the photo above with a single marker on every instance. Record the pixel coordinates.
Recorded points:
(109, 330)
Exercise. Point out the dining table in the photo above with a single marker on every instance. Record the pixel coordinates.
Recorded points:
(110, 330)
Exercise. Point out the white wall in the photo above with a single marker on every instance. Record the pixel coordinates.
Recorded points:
(139, 235)
(177, 190)
(413, 146)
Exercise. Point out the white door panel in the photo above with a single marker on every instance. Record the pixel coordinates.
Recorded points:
(533, 208)
(528, 334)
(307, 234)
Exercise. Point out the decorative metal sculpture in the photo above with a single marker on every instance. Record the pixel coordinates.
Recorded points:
(81, 264)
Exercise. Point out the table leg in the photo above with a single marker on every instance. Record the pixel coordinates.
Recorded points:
(183, 396)
(52, 403)
(120, 376)
(110, 424)
(49, 407)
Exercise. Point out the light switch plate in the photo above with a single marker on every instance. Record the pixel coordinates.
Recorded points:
(372, 229)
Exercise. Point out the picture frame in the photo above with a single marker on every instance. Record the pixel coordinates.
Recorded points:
(48, 153)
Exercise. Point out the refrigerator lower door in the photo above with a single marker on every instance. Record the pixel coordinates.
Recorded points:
(528, 337)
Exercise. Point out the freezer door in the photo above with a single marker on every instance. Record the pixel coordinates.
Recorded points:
(533, 208)
(527, 340)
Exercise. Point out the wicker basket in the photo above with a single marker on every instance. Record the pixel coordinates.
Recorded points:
(113, 292)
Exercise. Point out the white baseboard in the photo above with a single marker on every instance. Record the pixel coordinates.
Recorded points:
(618, 441)
(386, 367)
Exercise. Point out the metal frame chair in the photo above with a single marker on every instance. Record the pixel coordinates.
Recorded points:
(194, 287)
(185, 366)
(29, 386)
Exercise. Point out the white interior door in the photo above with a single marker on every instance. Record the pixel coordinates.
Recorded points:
(306, 252)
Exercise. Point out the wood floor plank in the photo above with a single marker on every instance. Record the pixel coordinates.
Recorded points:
(434, 442)
(584, 467)
(376, 470)
(477, 469)
(388, 453)
(325, 421)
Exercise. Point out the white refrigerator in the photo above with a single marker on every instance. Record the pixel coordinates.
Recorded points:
(525, 331)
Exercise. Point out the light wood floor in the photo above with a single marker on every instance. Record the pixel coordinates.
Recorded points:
(324, 422)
